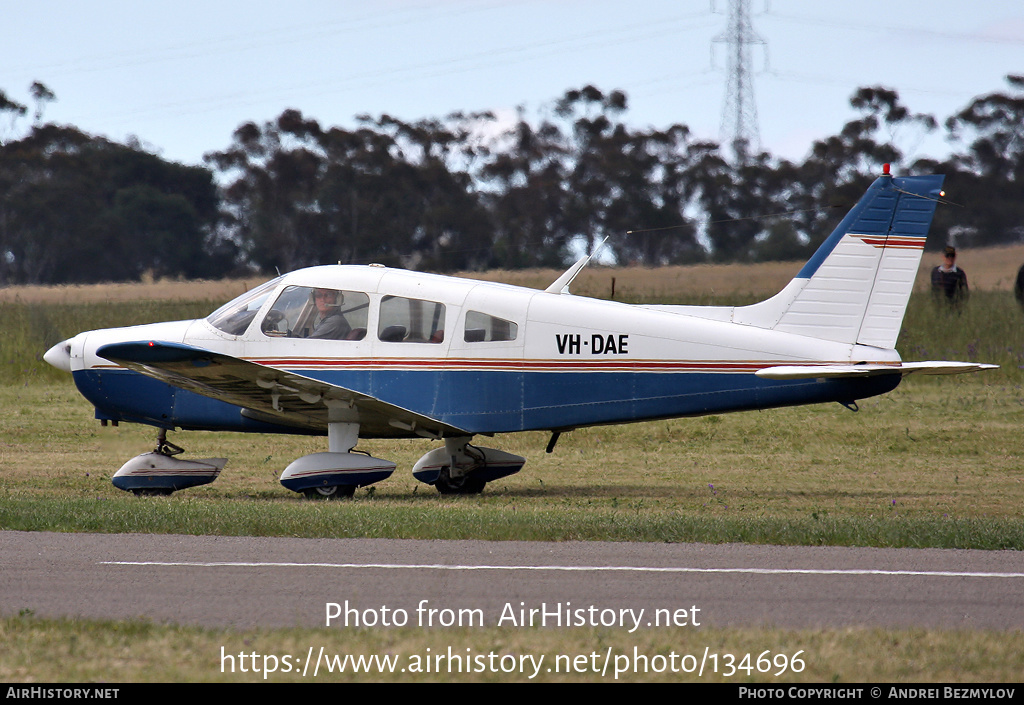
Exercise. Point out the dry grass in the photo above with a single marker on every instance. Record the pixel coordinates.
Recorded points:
(161, 290)
(990, 269)
(80, 651)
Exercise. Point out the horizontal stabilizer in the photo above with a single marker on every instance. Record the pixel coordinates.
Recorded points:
(941, 367)
(944, 367)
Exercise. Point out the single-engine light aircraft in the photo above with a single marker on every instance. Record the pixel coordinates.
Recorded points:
(375, 352)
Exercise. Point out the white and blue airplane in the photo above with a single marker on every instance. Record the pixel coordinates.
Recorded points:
(375, 352)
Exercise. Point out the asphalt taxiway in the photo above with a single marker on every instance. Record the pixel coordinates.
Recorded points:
(246, 581)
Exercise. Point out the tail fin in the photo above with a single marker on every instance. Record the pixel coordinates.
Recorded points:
(855, 288)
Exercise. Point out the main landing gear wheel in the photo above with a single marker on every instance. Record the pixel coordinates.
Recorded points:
(461, 468)
(467, 484)
(331, 492)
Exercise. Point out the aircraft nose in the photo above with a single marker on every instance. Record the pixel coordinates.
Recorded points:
(59, 355)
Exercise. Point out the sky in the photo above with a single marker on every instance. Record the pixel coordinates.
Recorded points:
(181, 76)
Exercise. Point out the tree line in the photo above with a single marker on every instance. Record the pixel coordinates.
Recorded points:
(468, 191)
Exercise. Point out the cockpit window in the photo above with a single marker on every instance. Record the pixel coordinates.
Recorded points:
(317, 312)
(235, 316)
(405, 320)
(483, 327)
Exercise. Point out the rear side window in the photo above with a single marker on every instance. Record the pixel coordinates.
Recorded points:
(483, 327)
(405, 320)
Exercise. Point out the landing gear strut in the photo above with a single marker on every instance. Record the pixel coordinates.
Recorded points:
(336, 473)
(165, 447)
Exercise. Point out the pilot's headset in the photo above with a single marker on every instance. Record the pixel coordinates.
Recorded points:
(334, 299)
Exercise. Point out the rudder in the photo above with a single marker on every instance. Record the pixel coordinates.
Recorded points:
(856, 286)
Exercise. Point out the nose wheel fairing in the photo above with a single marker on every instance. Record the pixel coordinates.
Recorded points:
(160, 473)
(156, 473)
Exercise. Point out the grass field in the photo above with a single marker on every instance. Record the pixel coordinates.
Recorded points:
(936, 463)
(94, 651)
(907, 470)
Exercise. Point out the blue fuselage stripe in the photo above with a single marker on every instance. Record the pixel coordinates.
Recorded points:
(486, 401)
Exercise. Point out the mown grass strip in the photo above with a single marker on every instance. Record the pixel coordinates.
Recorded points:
(463, 519)
(79, 650)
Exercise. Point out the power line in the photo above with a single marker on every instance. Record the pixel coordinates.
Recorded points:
(902, 30)
(420, 69)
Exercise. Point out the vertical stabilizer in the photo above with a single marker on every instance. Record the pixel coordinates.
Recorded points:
(856, 287)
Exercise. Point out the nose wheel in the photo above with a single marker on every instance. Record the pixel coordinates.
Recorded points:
(155, 492)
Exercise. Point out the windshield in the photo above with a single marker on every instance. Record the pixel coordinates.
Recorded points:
(236, 315)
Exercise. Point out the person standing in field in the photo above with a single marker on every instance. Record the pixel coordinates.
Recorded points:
(1018, 287)
(949, 282)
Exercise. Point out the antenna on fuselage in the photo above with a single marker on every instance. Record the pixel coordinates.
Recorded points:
(561, 285)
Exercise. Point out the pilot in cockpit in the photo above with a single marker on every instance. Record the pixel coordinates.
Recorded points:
(330, 322)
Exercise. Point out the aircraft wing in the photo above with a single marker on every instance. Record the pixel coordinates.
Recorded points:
(270, 394)
(871, 369)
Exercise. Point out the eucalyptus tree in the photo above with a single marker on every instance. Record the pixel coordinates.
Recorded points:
(597, 143)
(10, 112)
(298, 194)
(833, 175)
(41, 95)
(724, 203)
(444, 225)
(656, 208)
(526, 196)
(987, 177)
(273, 173)
(80, 208)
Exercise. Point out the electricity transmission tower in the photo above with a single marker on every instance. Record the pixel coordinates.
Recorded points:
(739, 116)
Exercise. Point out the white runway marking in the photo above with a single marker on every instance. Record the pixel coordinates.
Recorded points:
(570, 568)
